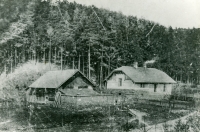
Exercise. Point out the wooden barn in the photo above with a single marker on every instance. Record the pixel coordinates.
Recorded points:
(45, 88)
(146, 79)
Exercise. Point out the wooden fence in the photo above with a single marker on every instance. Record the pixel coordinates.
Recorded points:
(110, 99)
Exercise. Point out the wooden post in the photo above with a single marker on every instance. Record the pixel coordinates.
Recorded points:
(144, 125)
(62, 119)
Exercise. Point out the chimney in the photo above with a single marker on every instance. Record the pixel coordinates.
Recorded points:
(135, 65)
(145, 65)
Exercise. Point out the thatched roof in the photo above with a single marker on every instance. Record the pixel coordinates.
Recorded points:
(144, 75)
(54, 79)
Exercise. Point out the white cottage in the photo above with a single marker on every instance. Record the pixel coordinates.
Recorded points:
(139, 78)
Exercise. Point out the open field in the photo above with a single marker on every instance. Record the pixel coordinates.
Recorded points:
(92, 118)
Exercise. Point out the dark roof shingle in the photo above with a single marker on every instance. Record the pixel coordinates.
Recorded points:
(54, 79)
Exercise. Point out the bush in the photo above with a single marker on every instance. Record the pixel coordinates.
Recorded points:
(181, 127)
(13, 86)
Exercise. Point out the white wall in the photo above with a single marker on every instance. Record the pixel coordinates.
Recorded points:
(78, 81)
(113, 82)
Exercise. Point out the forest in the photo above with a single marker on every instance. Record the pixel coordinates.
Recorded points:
(93, 40)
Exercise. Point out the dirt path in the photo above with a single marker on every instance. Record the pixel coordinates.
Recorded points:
(159, 127)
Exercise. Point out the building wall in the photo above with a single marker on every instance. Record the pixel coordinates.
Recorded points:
(113, 83)
(76, 83)
(46, 95)
(159, 88)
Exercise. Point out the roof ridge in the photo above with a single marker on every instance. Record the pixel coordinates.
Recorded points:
(142, 74)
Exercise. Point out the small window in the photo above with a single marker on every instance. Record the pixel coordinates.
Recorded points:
(142, 85)
(120, 82)
(40, 92)
(80, 87)
(164, 88)
(69, 87)
(50, 91)
(155, 87)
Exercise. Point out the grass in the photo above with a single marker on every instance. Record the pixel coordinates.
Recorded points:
(102, 115)
(158, 114)
(90, 117)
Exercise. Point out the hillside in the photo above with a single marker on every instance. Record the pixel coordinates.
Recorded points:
(96, 41)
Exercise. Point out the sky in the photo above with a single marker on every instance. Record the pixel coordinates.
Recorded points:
(175, 13)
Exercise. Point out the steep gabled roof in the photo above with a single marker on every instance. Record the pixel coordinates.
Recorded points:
(54, 79)
(144, 75)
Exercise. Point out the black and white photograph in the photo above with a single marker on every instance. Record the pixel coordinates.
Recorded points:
(99, 65)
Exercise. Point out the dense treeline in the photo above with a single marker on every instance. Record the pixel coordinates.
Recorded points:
(96, 41)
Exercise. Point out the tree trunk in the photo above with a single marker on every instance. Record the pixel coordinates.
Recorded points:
(123, 46)
(61, 60)
(89, 62)
(181, 78)
(55, 56)
(83, 66)
(5, 68)
(73, 63)
(50, 51)
(101, 69)
(24, 58)
(44, 57)
(35, 54)
(79, 62)
(15, 57)
(109, 65)
(188, 79)
(11, 70)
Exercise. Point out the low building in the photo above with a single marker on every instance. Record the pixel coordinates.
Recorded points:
(45, 88)
(150, 80)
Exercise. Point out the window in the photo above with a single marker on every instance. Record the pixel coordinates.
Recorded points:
(51, 91)
(84, 87)
(120, 82)
(164, 88)
(142, 85)
(69, 87)
(155, 87)
(40, 92)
